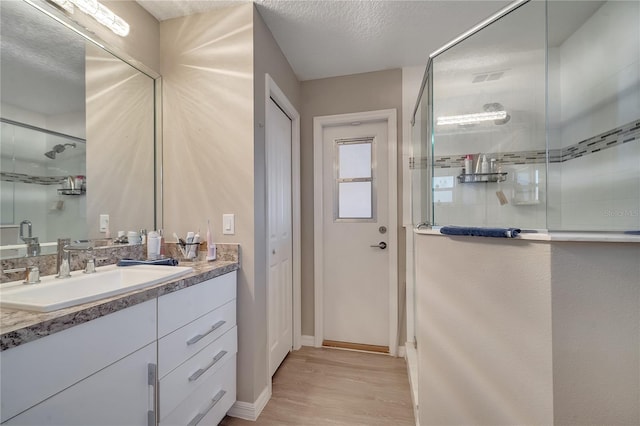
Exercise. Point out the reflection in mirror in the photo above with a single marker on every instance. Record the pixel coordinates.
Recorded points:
(77, 137)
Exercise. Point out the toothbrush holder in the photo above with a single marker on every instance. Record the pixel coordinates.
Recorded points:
(188, 251)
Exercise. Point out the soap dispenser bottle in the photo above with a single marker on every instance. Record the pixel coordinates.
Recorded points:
(484, 168)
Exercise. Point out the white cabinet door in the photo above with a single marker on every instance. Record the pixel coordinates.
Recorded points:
(35, 371)
(117, 395)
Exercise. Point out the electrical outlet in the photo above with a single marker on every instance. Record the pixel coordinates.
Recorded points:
(228, 224)
(104, 222)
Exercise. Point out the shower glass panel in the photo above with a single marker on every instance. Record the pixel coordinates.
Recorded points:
(420, 163)
(594, 115)
(534, 121)
(489, 139)
(35, 170)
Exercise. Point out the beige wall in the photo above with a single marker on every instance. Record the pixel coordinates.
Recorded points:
(517, 332)
(483, 331)
(120, 130)
(268, 59)
(596, 333)
(213, 67)
(341, 95)
(207, 69)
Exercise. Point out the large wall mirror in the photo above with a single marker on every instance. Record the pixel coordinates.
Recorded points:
(78, 134)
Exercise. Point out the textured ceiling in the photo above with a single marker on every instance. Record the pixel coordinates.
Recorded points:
(329, 38)
(42, 66)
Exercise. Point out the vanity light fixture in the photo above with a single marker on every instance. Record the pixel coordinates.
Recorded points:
(99, 12)
(471, 118)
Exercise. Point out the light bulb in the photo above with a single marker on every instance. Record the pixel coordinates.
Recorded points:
(120, 26)
(471, 118)
(89, 7)
(104, 15)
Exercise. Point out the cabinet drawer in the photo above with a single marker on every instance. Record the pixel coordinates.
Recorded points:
(208, 403)
(185, 379)
(37, 370)
(181, 307)
(183, 343)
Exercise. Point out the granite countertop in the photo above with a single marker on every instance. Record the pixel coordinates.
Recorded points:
(18, 326)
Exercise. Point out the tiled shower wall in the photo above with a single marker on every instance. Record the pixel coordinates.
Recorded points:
(596, 123)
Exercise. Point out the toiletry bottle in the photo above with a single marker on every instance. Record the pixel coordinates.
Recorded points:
(153, 245)
(493, 166)
(162, 248)
(484, 168)
(468, 164)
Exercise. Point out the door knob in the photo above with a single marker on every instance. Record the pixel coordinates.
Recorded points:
(381, 245)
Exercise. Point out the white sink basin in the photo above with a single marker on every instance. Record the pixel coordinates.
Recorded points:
(52, 293)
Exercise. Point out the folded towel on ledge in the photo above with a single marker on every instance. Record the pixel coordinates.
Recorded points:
(167, 261)
(632, 232)
(480, 232)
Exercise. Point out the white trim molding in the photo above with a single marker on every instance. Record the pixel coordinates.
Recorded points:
(402, 352)
(251, 411)
(273, 91)
(390, 116)
(308, 340)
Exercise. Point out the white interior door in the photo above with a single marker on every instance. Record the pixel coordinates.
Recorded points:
(355, 234)
(280, 310)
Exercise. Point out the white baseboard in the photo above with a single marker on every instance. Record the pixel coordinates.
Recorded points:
(402, 352)
(250, 411)
(308, 341)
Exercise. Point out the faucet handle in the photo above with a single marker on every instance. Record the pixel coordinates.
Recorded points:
(65, 270)
(90, 267)
(33, 275)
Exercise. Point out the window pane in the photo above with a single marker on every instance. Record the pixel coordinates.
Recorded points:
(355, 160)
(354, 200)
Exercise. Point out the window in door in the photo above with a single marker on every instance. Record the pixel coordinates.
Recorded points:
(354, 185)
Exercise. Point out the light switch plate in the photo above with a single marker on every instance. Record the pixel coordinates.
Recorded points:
(228, 224)
(104, 222)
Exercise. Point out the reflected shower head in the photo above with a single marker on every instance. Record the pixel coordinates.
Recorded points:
(57, 149)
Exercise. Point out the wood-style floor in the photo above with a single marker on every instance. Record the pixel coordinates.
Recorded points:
(321, 386)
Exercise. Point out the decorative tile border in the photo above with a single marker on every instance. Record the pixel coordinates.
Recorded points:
(624, 134)
(38, 180)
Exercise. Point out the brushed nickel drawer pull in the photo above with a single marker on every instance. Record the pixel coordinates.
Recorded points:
(152, 379)
(214, 401)
(213, 328)
(201, 371)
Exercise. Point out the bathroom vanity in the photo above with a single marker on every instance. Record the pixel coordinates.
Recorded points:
(160, 355)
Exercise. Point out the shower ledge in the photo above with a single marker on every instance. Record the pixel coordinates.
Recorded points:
(606, 237)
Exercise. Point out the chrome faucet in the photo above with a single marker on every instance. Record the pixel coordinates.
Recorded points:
(64, 257)
(33, 245)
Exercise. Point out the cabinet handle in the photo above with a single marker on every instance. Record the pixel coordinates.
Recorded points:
(214, 401)
(152, 375)
(213, 328)
(201, 371)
